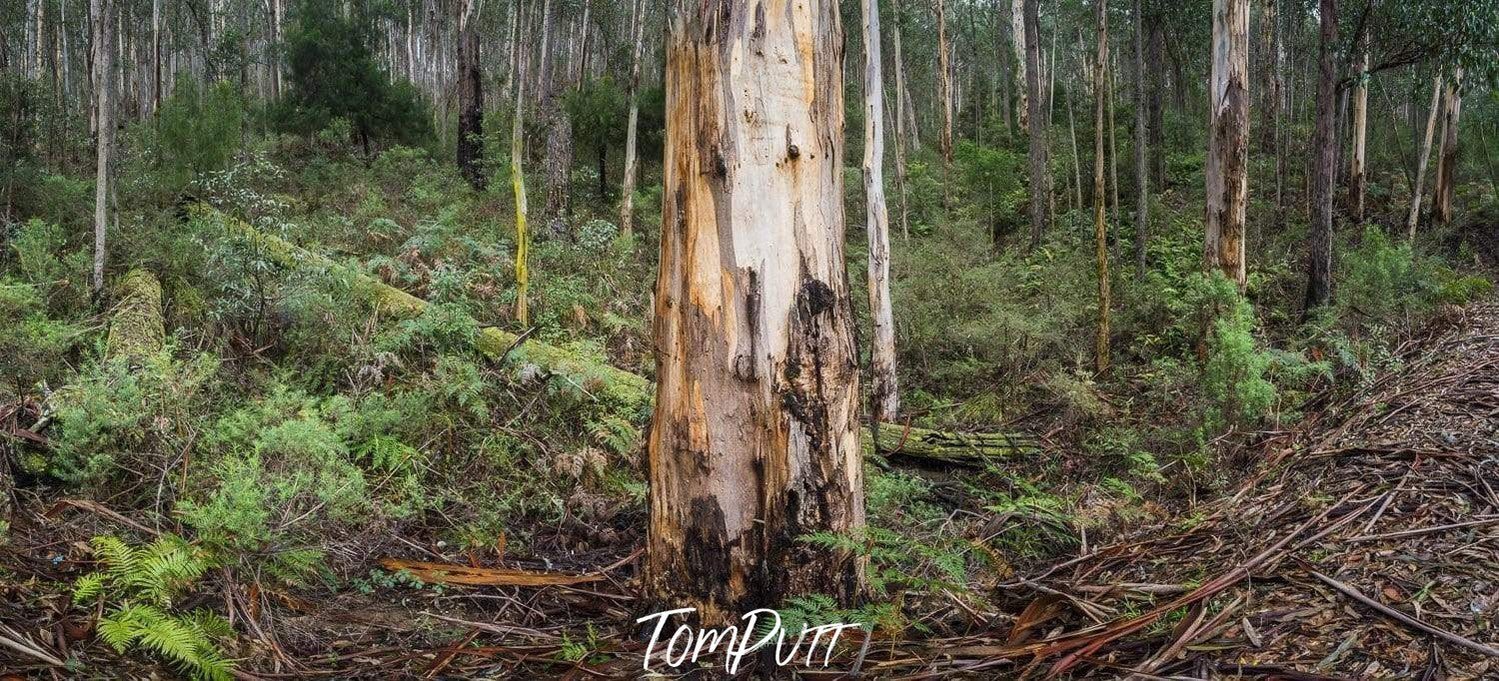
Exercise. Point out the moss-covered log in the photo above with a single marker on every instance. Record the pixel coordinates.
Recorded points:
(136, 329)
(615, 386)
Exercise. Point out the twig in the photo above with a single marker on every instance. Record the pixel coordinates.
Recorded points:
(1404, 618)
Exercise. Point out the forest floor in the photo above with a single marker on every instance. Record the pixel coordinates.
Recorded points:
(1363, 546)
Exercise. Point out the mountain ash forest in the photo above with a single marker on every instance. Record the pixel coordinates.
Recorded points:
(1024, 339)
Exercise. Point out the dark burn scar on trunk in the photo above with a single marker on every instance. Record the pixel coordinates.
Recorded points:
(814, 299)
(704, 551)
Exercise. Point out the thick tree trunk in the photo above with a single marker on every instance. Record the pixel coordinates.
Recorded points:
(1441, 192)
(754, 442)
(1017, 41)
(104, 55)
(1228, 140)
(1360, 133)
(1412, 217)
(1100, 225)
(627, 188)
(470, 98)
(884, 397)
(1040, 178)
(1142, 173)
(1319, 251)
(518, 188)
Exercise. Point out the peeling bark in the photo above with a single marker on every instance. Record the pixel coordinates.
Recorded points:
(1228, 140)
(104, 84)
(1017, 41)
(944, 82)
(1356, 179)
(754, 441)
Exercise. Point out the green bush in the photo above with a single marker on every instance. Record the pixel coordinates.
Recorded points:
(196, 131)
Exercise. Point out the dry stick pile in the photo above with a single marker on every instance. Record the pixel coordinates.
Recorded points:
(1368, 548)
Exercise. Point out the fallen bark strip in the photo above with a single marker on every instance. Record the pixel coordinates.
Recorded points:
(449, 573)
(1405, 619)
(632, 392)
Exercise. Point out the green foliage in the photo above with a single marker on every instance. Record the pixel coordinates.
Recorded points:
(197, 131)
(1234, 378)
(138, 585)
(116, 418)
(598, 110)
(333, 74)
(32, 344)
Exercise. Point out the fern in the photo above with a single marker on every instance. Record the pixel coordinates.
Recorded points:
(142, 582)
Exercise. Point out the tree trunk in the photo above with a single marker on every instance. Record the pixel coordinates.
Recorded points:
(1077, 159)
(627, 188)
(944, 80)
(1228, 140)
(1425, 156)
(1142, 173)
(470, 98)
(1360, 132)
(1273, 64)
(1040, 178)
(104, 54)
(1441, 192)
(1017, 41)
(1156, 85)
(1319, 252)
(884, 397)
(901, 111)
(754, 442)
(1113, 151)
(518, 188)
(559, 139)
(1100, 225)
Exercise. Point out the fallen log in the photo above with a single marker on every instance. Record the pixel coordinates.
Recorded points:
(631, 392)
(136, 330)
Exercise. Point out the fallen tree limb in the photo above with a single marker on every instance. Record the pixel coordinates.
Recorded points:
(448, 573)
(1405, 619)
(632, 392)
(136, 329)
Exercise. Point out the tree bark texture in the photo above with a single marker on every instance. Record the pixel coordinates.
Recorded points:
(754, 441)
(1441, 191)
(1040, 178)
(470, 98)
(1412, 217)
(1228, 140)
(884, 396)
(1319, 247)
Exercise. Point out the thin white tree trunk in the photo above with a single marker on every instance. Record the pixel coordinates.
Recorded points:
(1142, 170)
(884, 395)
(1441, 192)
(1017, 42)
(1360, 133)
(1431, 125)
(627, 188)
(104, 28)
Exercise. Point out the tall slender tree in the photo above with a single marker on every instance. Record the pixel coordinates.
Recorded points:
(945, 85)
(1040, 178)
(1442, 189)
(1360, 132)
(1017, 41)
(470, 97)
(754, 441)
(1228, 139)
(627, 188)
(1142, 173)
(900, 120)
(102, 13)
(1100, 224)
(884, 397)
(518, 187)
(1414, 215)
(1319, 251)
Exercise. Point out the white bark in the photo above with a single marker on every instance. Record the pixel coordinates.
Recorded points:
(1425, 156)
(104, 27)
(627, 188)
(1017, 41)
(884, 398)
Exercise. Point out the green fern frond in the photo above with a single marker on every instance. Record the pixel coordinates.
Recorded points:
(88, 587)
